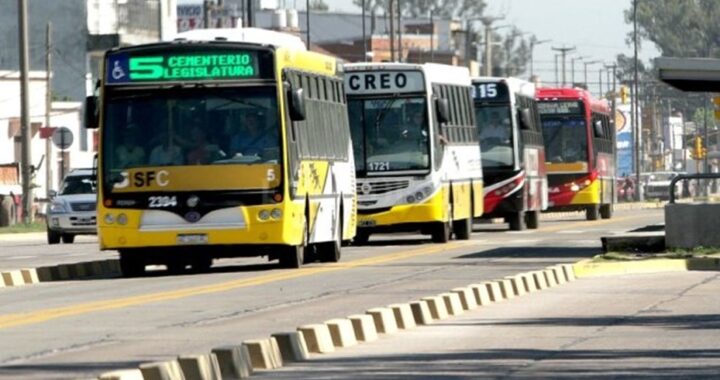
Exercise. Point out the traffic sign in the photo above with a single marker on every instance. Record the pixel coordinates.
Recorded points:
(62, 138)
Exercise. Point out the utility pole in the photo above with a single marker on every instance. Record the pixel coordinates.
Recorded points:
(364, 34)
(251, 14)
(586, 65)
(634, 102)
(432, 36)
(48, 109)
(392, 30)
(563, 52)
(557, 75)
(572, 68)
(600, 90)
(613, 109)
(25, 159)
(307, 23)
(487, 22)
(534, 42)
(400, 31)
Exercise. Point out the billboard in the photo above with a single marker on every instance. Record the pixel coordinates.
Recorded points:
(625, 139)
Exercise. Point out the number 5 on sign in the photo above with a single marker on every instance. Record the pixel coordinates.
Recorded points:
(146, 68)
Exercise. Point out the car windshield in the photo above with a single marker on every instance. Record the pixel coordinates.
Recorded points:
(199, 126)
(565, 138)
(495, 127)
(78, 185)
(390, 134)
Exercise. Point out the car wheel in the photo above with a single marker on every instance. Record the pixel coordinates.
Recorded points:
(68, 238)
(53, 237)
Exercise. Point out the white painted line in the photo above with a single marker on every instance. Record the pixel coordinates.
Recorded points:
(572, 232)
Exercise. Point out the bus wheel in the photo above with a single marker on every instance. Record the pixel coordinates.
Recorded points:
(440, 232)
(532, 219)
(292, 257)
(201, 264)
(131, 264)
(361, 237)
(462, 229)
(592, 213)
(516, 221)
(329, 252)
(606, 211)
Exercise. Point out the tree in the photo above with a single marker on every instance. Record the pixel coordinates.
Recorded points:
(422, 8)
(514, 56)
(319, 6)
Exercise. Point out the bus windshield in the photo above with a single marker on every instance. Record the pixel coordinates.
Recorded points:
(565, 138)
(390, 134)
(496, 142)
(183, 127)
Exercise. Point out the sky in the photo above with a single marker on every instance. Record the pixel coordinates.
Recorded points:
(596, 28)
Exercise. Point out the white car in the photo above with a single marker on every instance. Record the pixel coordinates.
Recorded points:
(72, 211)
(657, 185)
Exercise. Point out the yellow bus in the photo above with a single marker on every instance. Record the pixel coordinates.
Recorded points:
(416, 149)
(222, 143)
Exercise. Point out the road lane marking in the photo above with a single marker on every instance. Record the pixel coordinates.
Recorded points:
(20, 319)
(38, 316)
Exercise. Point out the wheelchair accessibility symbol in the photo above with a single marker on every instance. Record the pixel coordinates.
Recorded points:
(117, 72)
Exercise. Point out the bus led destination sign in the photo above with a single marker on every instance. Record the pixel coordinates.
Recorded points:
(122, 68)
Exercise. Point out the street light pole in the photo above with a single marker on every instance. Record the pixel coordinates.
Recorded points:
(572, 67)
(586, 65)
(487, 22)
(534, 42)
(634, 102)
(25, 146)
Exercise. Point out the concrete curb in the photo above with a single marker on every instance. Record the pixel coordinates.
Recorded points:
(234, 361)
(200, 367)
(364, 327)
(403, 316)
(239, 362)
(318, 338)
(292, 346)
(126, 374)
(588, 268)
(341, 332)
(60, 272)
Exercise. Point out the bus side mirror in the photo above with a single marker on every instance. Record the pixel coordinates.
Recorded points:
(525, 119)
(297, 105)
(442, 108)
(91, 112)
(598, 129)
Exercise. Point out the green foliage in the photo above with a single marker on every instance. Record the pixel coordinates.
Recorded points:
(687, 28)
(22, 228)
(422, 8)
(319, 5)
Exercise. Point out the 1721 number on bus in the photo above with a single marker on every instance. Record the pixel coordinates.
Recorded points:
(379, 166)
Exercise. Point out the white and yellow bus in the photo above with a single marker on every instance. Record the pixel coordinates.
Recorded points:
(417, 155)
(222, 143)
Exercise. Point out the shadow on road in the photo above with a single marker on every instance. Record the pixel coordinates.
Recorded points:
(534, 252)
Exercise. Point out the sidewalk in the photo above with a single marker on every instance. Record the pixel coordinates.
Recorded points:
(649, 325)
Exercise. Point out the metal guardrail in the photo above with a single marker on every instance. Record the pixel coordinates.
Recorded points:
(683, 177)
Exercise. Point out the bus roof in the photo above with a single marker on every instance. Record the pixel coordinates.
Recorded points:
(556, 93)
(434, 72)
(249, 35)
(516, 85)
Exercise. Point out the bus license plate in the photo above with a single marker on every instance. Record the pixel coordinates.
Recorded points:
(192, 239)
(367, 223)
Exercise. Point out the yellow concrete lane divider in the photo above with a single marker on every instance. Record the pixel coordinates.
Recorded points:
(60, 272)
(239, 362)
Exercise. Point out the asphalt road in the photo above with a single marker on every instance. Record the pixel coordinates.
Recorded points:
(82, 328)
(648, 326)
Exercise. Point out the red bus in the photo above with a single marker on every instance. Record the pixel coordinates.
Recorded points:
(513, 154)
(579, 150)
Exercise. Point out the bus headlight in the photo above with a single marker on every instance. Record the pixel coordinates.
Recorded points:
(574, 187)
(264, 215)
(276, 213)
(109, 219)
(122, 219)
(410, 199)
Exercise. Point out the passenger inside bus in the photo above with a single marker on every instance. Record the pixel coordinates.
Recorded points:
(254, 139)
(204, 151)
(167, 152)
(129, 153)
(497, 128)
